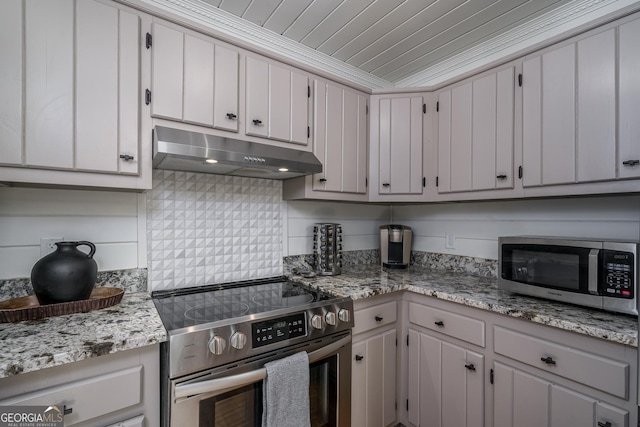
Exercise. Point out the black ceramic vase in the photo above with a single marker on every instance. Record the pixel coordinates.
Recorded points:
(67, 274)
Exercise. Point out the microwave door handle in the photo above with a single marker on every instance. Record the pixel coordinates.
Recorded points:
(246, 378)
(593, 271)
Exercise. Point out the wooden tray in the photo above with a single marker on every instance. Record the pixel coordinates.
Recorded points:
(28, 308)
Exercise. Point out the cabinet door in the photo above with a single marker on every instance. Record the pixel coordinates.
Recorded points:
(49, 55)
(400, 146)
(167, 72)
(107, 88)
(299, 111)
(279, 94)
(225, 88)
(475, 136)
(333, 143)
(354, 144)
(549, 132)
(446, 384)
(257, 94)
(198, 81)
(505, 128)
(11, 83)
(374, 381)
(596, 151)
(520, 399)
(340, 139)
(523, 400)
(629, 101)
(461, 137)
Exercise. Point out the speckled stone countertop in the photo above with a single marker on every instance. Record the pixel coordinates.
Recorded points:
(360, 282)
(32, 345)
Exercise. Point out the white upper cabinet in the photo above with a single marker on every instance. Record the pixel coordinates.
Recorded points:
(580, 103)
(11, 45)
(628, 161)
(340, 138)
(82, 93)
(277, 100)
(194, 78)
(399, 145)
(476, 134)
(340, 142)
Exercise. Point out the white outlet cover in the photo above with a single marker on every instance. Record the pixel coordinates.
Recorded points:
(450, 241)
(47, 244)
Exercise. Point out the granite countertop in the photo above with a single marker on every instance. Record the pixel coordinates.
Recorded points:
(32, 345)
(365, 281)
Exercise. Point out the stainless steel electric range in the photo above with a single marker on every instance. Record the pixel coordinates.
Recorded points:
(220, 337)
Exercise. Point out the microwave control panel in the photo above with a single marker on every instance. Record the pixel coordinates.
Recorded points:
(618, 274)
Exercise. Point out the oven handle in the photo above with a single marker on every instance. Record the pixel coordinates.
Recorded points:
(240, 380)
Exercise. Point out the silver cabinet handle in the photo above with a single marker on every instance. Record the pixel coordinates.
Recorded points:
(240, 380)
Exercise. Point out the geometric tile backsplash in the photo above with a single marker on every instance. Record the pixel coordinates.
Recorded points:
(204, 229)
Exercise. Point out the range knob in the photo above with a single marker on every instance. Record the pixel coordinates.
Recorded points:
(344, 315)
(316, 321)
(330, 318)
(217, 344)
(238, 340)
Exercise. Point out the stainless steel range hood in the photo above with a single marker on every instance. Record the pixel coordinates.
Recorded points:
(182, 150)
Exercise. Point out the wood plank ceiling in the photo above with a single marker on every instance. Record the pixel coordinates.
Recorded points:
(391, 39)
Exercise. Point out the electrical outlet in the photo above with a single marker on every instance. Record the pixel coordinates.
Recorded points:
(450, 241)
(48, 244)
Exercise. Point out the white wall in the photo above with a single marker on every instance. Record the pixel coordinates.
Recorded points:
(110, 220)
(360, 224)
(477, 225)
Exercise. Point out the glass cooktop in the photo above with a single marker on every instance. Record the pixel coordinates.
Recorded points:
(183, 308)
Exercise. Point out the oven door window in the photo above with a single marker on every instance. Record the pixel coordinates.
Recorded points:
(243, 407)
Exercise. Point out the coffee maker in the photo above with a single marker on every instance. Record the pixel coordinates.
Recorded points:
(395, 245)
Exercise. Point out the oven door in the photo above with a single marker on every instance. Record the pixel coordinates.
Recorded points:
(231, 395)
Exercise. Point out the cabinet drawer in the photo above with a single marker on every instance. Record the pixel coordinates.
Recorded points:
(594, 371)
(457, 326)
(89, 398)
(373, 317)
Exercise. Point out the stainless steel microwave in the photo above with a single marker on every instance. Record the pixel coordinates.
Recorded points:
(594, 273)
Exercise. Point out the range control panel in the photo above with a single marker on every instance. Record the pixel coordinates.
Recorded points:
(275, 330)
(618, 274)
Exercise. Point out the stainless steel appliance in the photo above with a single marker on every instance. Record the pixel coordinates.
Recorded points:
(594, 273)
(220, 337)
(327, 249)
(182, 150)
(395, 245)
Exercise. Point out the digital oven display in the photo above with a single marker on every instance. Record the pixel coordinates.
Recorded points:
(276, 330)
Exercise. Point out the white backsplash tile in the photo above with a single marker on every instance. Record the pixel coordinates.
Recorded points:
(204, 229)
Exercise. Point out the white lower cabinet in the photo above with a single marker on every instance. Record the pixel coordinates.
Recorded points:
(373, 368)
(445, 379)
(465, 366)
(524, 400)
(116, 390)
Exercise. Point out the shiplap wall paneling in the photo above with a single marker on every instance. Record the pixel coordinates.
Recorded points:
(107, 219)
(360, 224)
(477, 226)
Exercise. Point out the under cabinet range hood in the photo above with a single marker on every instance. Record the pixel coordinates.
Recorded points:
(182, 150)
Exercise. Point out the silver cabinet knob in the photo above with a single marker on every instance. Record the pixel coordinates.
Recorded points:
(217, 344)
(238, 340)
(330, 318)
(344, 315)
(316, 321)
